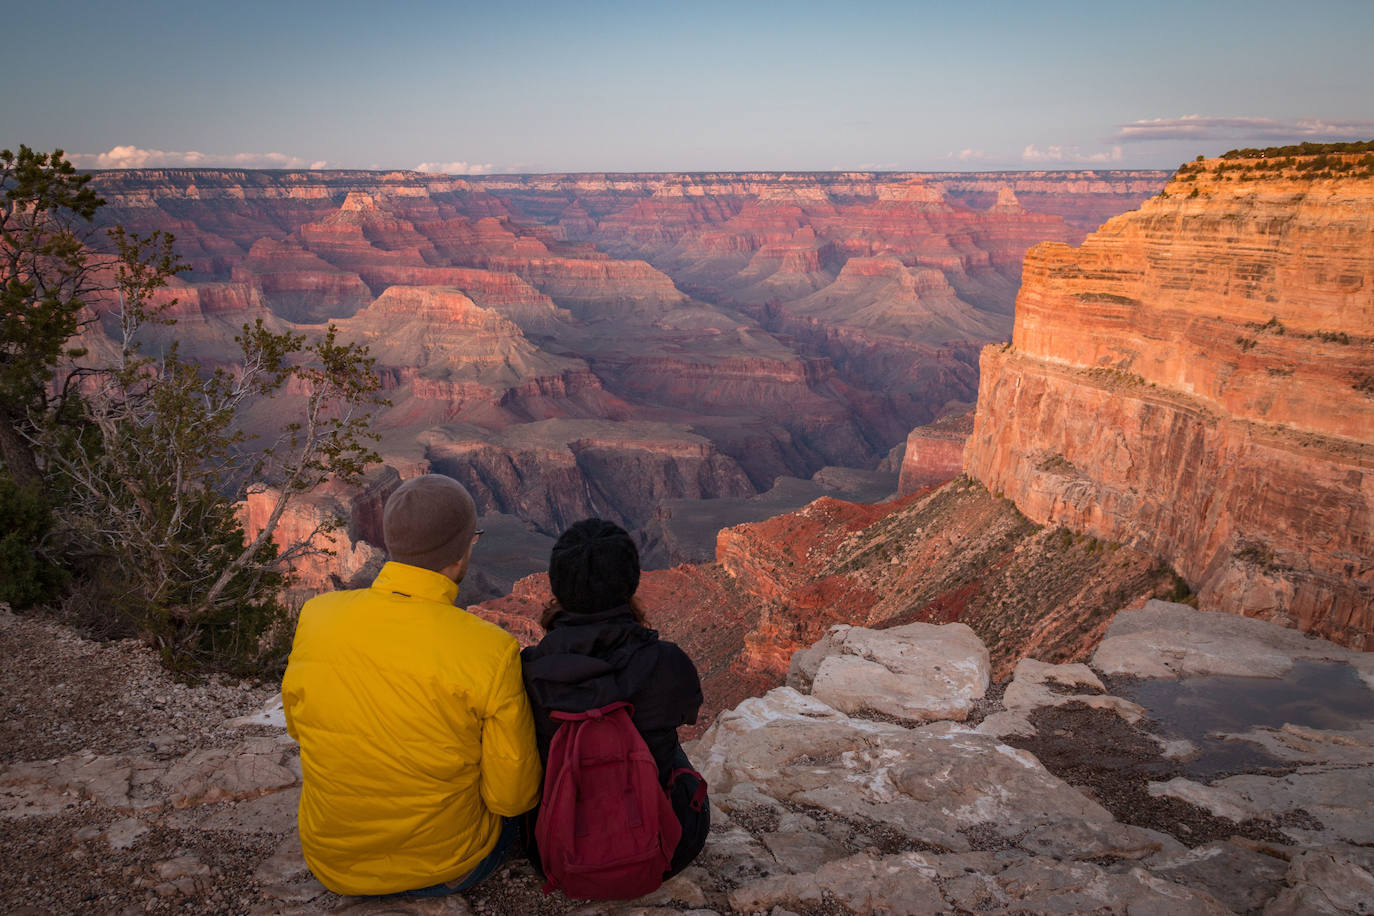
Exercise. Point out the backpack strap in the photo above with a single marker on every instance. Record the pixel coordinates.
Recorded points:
(699, 796)
(599, 713)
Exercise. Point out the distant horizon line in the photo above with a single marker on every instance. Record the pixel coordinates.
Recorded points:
(486, 175)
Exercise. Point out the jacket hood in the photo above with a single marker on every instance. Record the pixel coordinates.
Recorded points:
(585, 657)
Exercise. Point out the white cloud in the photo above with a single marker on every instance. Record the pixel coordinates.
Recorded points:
(1033, 153)
(456, 168)
(135, 157)
(969, 155)
(1198, 127)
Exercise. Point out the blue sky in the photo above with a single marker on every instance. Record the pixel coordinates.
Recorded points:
(604, 86)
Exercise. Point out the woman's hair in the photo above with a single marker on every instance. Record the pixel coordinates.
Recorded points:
(552, 609)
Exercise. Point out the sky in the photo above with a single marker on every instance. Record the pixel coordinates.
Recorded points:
(653, 86)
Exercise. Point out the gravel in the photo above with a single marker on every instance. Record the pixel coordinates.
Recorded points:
(62, 693)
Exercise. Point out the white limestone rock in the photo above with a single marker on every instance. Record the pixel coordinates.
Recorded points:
(1036, 685)
(271, 715)
(1218, 801)
(249, 769)
(1239, 876)
(1163, 640)
(930, 783)
(919, 672)
(1338, 797)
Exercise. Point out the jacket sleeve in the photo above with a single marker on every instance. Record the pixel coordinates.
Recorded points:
(289, 697)
(511, 772)
(677, 670)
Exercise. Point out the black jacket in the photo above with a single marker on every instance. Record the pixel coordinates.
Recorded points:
(586, 661)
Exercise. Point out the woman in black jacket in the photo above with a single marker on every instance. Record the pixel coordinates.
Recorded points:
(597, 651)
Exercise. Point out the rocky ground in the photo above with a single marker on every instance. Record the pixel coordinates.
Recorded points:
(889, 776)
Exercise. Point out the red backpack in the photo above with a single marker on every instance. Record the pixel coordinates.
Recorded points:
(606, 829)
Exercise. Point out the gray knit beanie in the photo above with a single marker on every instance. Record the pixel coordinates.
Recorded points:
(429, 522)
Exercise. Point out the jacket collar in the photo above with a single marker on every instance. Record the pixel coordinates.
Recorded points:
(619, 614)
(414, 582)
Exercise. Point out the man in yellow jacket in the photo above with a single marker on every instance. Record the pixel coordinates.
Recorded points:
(417, 746)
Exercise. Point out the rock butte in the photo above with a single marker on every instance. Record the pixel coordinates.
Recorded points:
(1195, 381)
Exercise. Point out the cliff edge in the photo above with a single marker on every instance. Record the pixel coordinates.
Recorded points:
(889, 776)
(1197, 381)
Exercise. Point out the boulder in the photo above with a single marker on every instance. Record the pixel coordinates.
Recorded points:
(933, 784)
(919, 672)
(247, 770)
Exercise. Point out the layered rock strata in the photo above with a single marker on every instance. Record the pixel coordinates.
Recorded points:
(1195, 380)
(934, 453)
(793, 320)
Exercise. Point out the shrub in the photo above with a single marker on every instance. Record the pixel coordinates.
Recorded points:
(142, 458)
(26, 576)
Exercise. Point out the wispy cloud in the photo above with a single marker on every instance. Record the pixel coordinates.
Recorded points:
(1199, 127)
(969, 155)
(457, 168)
(135, 157)
(1033, 153)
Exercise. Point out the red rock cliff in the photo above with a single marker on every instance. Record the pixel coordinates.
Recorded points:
(1197, 380)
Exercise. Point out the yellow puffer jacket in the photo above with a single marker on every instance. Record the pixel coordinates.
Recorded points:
(415, 734)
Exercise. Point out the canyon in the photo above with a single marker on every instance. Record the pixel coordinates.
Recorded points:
(621, 345)
(1031, 680)
(1178, 411)
(1183, 411)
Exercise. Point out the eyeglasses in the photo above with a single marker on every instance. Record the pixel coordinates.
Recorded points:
(477, 534)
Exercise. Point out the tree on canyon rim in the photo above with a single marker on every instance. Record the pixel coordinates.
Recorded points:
(143, 458)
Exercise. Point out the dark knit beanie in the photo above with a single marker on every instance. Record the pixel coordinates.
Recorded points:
(594, 567)
(429, 522)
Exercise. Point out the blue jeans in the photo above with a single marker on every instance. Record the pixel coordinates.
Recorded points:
(510, 835)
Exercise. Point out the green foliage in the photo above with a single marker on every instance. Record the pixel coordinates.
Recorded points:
(1056, 463)
(1254, 553)
(1300, 149)
(144, 457)
(168, 432)
(26, 577)
(1273, 324)
(45, 276)
(1111, 298)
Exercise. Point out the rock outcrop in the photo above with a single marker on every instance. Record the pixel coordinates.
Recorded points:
(934, 453)
(950, 554)
(1195, 381)
(1062, 797)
